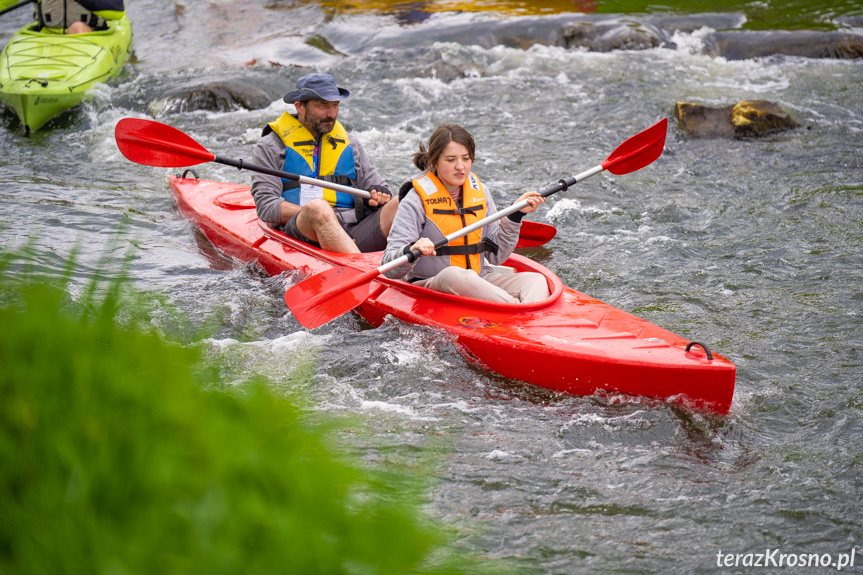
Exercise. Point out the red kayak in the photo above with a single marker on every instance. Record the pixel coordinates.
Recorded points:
(569, 342)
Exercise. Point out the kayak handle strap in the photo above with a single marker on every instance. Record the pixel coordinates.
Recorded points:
(703, 346)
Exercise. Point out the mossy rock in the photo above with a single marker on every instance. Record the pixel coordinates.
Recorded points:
(747, 119)
(760, 118)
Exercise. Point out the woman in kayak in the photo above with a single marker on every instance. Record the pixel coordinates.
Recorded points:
(443, 199)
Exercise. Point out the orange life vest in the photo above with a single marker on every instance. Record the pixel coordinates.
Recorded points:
(442, 211)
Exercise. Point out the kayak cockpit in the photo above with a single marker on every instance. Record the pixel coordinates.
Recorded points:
(371, 260)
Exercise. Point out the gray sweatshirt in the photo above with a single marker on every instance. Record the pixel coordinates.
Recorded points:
(267, 190)
(410, 224)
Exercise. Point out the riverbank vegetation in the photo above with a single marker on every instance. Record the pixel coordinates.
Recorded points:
(115, 457)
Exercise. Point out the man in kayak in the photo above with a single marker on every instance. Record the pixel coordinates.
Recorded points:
(314, 144)
(441, 200)
(78, 16)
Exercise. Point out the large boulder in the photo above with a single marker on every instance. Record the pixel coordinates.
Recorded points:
(612, 35)
(743, 45)
(218, 97)
(751, 118)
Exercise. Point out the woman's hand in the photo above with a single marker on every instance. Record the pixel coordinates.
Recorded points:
(533, 200)
(425, 245)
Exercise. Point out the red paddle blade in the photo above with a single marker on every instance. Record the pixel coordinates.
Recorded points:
(153, 144)
(327, 295)
(534, 234)
(638, 151)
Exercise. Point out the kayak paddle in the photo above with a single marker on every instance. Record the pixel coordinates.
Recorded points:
(154, 144)
(532, 234)
(331, 293)
(15, 6)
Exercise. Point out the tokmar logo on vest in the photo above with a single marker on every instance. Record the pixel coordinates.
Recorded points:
(433, 201)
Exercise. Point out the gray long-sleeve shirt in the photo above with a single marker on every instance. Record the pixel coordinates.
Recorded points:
(411, 224)
(267, 190)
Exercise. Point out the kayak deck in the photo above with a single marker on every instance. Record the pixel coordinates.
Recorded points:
(45, 72)
(569, 342)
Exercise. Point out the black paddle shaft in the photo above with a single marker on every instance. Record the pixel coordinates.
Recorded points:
(241, 165)
(561, 186)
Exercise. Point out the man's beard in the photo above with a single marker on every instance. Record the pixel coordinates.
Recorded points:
(321, 127)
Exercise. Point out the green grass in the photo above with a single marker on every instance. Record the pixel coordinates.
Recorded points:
(115, 459)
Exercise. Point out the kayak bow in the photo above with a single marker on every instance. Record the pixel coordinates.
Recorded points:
(44, 73)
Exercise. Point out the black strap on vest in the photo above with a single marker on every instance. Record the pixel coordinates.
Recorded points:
(305, 143)
(459, 211)
(485, 245)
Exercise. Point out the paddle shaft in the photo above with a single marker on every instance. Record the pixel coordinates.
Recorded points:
(562, 185)
(15, 6)
(241, 165)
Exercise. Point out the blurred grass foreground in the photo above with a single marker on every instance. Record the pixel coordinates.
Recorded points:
(115, 460)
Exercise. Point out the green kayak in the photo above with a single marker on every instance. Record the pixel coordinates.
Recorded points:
(44, 73)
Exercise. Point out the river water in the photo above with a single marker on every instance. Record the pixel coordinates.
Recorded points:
(753, 246)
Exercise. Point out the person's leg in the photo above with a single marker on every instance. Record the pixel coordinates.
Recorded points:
(78, 28)
(318, 222)
(525, 287)
(460, 281)
(387, 215)
(371, 233)
(368, 235)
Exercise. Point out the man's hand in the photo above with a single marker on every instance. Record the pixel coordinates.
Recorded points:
(378, 198)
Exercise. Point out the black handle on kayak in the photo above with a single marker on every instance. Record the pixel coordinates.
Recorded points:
(14, 6)
(703, 346)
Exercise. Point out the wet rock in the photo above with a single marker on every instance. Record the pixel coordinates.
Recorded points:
(605, 35)
(751, 118)
(218, 97)
(613, 35)
(445, 72)
(704, 121)
(760, 118)
(852, 20)
(743, 45)
(689, 23)
(426, 63)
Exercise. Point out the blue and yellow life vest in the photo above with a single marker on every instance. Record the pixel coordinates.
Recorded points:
(448, 217)
(331, 158)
